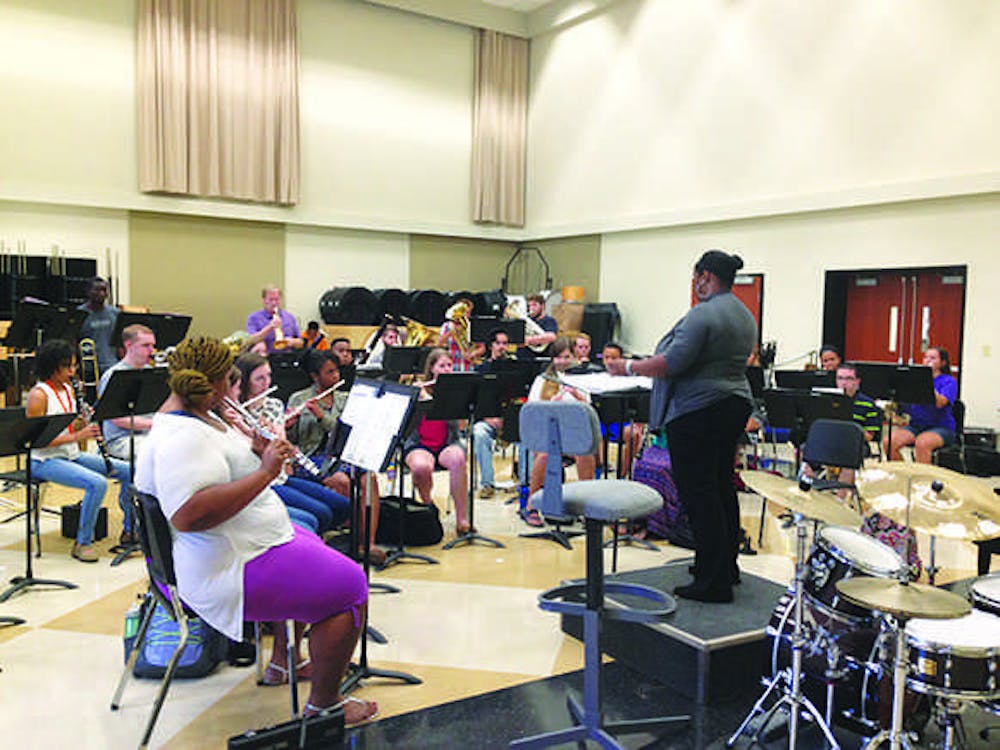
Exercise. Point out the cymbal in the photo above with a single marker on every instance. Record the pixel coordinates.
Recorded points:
(911, 599)
(785, 492)
(963, 508)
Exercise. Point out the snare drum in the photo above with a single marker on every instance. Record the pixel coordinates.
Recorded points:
(957, 658)
(985, 593)
(838, 554)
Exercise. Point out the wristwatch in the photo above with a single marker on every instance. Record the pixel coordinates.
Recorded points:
(628, 367)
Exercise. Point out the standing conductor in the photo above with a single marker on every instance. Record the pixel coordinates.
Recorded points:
(701, 399)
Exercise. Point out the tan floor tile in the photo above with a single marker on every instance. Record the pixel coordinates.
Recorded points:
(103, 616)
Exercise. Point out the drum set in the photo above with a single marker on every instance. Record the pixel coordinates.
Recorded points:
(853, 631)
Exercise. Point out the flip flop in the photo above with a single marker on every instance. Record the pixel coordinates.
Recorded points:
(532, 517)
(311, 710)
(275, 675)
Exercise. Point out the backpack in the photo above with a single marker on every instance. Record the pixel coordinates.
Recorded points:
(421, 524)
(669, 522)
(205, 648)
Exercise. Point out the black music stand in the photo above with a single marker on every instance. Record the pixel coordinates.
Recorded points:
(21, 435)
(169, 328)
(518, 375)
(481, 327)
(796, 411)
(399, 552)
(376, 413)
(131, 392)
(402, 360)
(898, 384)
(35, 323)
(805, 380)
(456, 396)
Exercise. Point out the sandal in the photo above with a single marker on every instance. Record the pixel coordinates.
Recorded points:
(532, 517)
(276, 675)
(461, 529)
(370, 710)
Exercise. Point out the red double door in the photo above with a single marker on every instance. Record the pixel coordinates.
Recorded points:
(893, 316)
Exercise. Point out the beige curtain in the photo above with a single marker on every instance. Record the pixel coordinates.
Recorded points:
(218, 99)
(499, 128)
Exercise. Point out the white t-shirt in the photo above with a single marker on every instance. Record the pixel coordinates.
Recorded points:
(181, 456)
(563, 394)
(62, 401)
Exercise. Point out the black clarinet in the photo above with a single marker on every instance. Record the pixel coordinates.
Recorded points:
(86, 412)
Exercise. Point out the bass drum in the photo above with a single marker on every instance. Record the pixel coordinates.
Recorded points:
(350, 306)
(394, 302)
(427, 306)
(862, 688)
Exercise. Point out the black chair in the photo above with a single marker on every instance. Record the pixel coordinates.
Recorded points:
(953, 456)
(556, 428)
(157, 547)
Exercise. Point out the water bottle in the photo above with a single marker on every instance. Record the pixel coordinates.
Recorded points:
(523, 492)
(390, 472)
(132, 620)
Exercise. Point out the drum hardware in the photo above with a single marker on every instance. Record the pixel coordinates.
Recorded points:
(901, 601)
(948, 717)
(789, 681)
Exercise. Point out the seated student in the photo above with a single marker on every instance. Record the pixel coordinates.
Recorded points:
(485, 431)
(390, 337)
(301, 518)
(330, 508)
(62, 462)
(581, 348)
(829, 357)
(236, 555)
(436, 442)
(929, 427)
(312, 423)
(314, 338)
(341, 347)
(634, 433)
(546, 389)
(139, 342)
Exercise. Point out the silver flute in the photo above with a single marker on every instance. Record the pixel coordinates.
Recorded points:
(268, 434)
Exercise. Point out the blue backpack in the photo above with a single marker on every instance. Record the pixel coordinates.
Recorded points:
(205, 648)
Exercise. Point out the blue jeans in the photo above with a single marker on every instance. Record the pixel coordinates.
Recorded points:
(483, 435)
(330, 508)
(88, 473)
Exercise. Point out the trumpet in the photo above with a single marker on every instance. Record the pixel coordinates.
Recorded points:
(268, 434)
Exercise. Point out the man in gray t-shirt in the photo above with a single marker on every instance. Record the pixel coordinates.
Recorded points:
(100, 322)
(701, 399)
(139, 345)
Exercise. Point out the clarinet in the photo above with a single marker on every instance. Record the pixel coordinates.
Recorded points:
(255, 424)
(86, 412)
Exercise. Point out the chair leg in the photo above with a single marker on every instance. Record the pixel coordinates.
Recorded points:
(293, 656)
(182, 626)
(137, 644)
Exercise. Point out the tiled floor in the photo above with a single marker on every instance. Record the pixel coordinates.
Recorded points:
(467, 626)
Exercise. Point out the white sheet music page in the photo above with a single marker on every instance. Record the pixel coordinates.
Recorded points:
(603, 382)
(375, 420)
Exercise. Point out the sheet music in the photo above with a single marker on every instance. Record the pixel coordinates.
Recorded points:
(375, 420)
(604, 382)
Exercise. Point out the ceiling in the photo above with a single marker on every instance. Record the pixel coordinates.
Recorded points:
(522, 6)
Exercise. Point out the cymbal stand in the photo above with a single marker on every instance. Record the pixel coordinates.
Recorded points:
(895, 735)
(948, 717)
(789, 681)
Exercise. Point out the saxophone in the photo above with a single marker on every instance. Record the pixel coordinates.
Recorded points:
(458, 314)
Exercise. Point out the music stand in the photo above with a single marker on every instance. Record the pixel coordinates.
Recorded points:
(481, 327)
(376, 413)
(456, 396)
(805, 380)
(35, 323)
(755, 377)
(21, 435)
(796, 411)
(131, 392)
(898, 384)
(405, 359)
(168, 328)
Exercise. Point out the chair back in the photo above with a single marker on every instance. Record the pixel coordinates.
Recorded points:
(558, 428)
(155, 538)
(834, 442)
(958, 411)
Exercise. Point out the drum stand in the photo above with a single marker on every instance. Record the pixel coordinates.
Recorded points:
(896, 736)
(789, 681)
(948, 717)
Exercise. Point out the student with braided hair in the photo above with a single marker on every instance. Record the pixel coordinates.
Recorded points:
(236, 555)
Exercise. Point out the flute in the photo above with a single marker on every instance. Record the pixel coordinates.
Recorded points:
(260, 396)
(301, 407)
(265, 432)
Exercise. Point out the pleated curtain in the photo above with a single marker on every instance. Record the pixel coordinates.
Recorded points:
(217, 93)
(500, 123)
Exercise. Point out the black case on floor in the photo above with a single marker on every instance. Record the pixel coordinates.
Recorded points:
(321, 731)
(71, 522)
